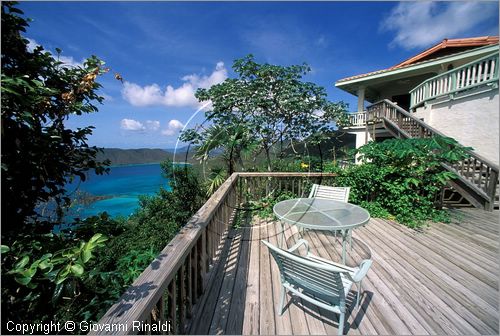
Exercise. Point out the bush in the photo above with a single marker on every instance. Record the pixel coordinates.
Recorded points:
(158, 219)
(402, 179)
(31, 288)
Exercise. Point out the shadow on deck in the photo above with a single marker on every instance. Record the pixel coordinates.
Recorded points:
(439, 280)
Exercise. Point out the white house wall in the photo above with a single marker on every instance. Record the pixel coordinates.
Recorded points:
(472, 119)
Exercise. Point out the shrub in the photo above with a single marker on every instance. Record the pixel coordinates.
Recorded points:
(402, 179)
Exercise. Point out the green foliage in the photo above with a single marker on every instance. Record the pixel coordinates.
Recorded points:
(264, 207)
(131, 265)
(264, 105)
(401, 179)
(68, 275)
(139, 239)
(57, 267)
(42, 271)
(37, 280)
(235, 142)
(39, 93)
(215, 179)
(376, 210)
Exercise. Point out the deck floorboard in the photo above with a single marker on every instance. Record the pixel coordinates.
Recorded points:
(442, 279)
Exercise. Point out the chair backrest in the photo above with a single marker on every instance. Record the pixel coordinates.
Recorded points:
(323, 280)
(334, 193)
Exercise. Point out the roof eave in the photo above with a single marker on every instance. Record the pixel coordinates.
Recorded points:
(390, 72)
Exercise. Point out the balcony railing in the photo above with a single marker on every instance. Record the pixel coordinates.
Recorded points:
(357, 119)
(481, 72)
(170, 291)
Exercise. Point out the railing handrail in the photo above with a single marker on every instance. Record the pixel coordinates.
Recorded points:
(457, 69)
(284, 174)
(426, 94)
(493, 166)
(357, 119)
(141, 298)
(161, 271)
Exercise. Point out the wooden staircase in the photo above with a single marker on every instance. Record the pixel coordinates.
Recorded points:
(477, 180)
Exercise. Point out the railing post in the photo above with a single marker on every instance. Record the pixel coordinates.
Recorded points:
(182, 299)
(492, 188)
(172, 305)
(453, 85)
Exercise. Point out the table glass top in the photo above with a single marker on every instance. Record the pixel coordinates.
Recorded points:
(321, 214)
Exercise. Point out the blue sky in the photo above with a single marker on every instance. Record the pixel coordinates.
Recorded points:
(166, 50)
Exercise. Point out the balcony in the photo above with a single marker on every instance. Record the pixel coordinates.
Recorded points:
(481, 72)
(216, 277)
(357, 119)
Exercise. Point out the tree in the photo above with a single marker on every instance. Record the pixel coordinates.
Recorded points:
(234, 140)
(39, 93)
(271, 103)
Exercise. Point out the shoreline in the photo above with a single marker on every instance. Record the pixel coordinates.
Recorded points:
(145, 164)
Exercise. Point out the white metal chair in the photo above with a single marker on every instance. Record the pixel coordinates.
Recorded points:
(334, 193)
(317, 280)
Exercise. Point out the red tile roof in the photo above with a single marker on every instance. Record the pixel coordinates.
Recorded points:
(420, 58)
(450, 43)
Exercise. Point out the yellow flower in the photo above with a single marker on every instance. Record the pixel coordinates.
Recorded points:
(304, 165)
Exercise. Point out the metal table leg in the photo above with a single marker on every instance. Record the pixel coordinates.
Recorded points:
(345, 233)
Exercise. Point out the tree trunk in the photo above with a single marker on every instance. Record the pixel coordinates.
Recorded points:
(268, 158)
(231, 162)
(320, 156)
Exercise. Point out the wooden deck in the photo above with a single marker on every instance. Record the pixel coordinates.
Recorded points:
(440, 280)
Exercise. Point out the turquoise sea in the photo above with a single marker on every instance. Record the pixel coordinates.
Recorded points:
(122, 185)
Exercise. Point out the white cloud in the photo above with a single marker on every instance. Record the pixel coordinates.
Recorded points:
(218, 76)
(32, 44)
(138, 96)
(106, 97)
(321, 42)
(173, 127)
(70, 61)
(67, 61)
(153, 125)
(420, 24)
(181, 96)
(132, 125)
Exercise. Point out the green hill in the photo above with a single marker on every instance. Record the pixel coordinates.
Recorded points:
(119, 156)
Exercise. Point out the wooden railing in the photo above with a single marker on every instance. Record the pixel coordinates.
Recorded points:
(166, 292)
(169, 292)
(480, 72)
(479, 173)
(357, 119)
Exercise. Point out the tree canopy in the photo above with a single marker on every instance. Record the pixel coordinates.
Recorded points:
(39, 94)
(266, 104)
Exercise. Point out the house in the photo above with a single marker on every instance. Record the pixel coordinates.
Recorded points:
(452, 87)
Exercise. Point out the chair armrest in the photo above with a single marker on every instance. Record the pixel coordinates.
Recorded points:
(363, 269)
(298, 244)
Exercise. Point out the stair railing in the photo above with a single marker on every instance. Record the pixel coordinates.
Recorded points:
(480, 173)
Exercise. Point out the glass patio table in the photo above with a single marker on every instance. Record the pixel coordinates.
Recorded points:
(322, 214)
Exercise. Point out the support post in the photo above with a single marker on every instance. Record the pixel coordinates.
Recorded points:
(361, 99)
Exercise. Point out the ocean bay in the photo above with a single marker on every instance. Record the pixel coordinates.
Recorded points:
(118, 192)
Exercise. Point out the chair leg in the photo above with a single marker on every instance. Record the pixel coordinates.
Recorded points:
(359, 292)
(341, 324)
(282, 238)
(282, 301)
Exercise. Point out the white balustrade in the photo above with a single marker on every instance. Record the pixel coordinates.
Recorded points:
(479, 72)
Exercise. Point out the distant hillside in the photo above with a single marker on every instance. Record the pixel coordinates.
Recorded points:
(119, 156)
